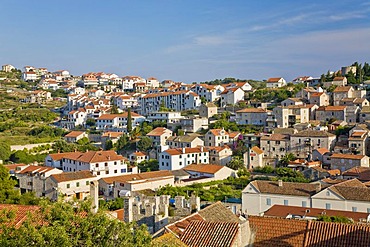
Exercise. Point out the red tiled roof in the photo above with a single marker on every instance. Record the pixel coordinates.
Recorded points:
(205, 234)
(38, 169)
(257, 150)
(20, 213)
(71, 176)
(252, 110)
(203, 168)
(331, 108)
(217, 132)
(287, 188)
(342, 89)
(158, 131)
(74, 134)
(178, 151)
(283, 211)
(322, 150)
(347, 156)
(276, 79)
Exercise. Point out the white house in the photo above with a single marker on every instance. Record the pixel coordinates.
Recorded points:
(178, 158)
(351, 195)
(216, 137)
(118, 121)
(100, 163)
(275, 82)
(231, 96)
(159, 136)
(260, 195)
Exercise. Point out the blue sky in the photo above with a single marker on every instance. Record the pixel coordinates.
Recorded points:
(186, 40)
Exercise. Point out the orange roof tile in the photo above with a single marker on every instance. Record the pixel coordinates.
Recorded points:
(158, 131)
(347, 156)
(257, 150)
(138, 176)
(178, 151)
(71, 176)
(74, 134)
(252, 110)
(203, 168)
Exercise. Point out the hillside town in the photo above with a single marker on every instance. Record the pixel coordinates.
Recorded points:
(228, 162)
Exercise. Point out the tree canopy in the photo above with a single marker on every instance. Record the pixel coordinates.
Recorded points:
(71, 224)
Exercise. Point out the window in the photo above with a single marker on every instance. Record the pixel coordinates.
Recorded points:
(327, 206)
(115, 162)
(106, 164)
(98, 173)
(123, 170)
(115, 171)
(180, 163)
(78, 184)
(68, 186)
(268, 201)
(96, 165)
(286, 202)
(368, 210)
(354, 209)
(304, 204)
(87, 182)
(106, 172)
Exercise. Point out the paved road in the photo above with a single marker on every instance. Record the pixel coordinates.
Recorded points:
(28, 146)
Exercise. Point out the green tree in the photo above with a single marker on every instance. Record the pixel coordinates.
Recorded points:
(108, 145)
(72, 224)
(7, 192)
(90, 122)
(122, 142)
(129, 120)
(5, 151)
(236, 163)
(284, 161)
(144, 144)
(149, 165)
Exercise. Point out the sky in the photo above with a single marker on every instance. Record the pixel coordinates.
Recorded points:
(188, 40)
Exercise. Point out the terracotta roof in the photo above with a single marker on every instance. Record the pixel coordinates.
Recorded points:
(276, 137)
(252, 110)
(347, 156)
(283, 211)
(352, 190)
(112, 134)
(336, 234)
(13, 167)
(186, 138)
(313, 133)
(316, 94)
(338, 78)
(217, 132)
(257, 150)
(36, 169)
(334, 172)
(21, 213)
(287, 188)
(113, 116)
(277, 232)
(216, 212)
(94, 156)
(356, 171)
(217, 148)
(71, 176)
(203, 168)
(178, 151)
(205, 234)
(158, 131)
(59, 156)
(232, 135)
(332, 108)
(287, 232)
(276, 79)
(74, 134)
(342, 89)
(322, 150)
(168, 239)
(138, 176)
(139, 153)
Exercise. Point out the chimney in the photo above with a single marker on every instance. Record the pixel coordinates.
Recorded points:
(183, 150)
(280, 183)
(94, 193)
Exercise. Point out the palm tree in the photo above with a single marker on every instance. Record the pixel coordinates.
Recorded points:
(236, 163)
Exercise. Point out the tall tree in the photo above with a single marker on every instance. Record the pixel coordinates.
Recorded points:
(236, 163)
(5, 151)
(144, 144)
(129, 120)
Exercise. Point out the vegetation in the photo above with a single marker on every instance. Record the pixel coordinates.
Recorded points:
(9, 195)
(339, 219)
(4, 151)
(211, 191)
(144, 144)
(277, 95)
(111, 205)
(82, 145)
(282, 173)
(71, 224)
(129, 120)
(149, 165)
